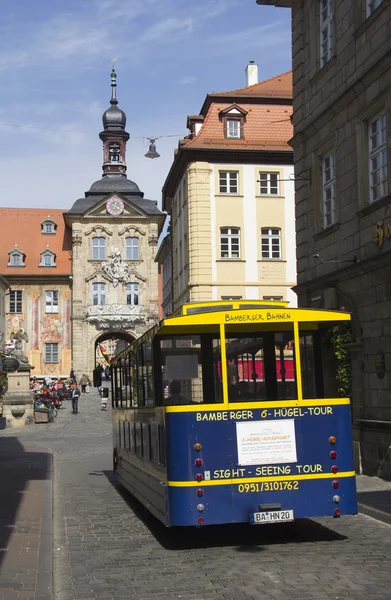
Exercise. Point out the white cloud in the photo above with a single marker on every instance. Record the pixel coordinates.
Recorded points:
(187, 80)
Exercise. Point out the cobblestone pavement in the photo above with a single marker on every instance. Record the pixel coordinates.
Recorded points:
(107, 547)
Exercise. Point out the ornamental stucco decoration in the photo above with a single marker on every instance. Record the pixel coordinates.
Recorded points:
(115, 269)
(116, 316)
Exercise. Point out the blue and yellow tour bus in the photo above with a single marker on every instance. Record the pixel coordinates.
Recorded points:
(228, 412)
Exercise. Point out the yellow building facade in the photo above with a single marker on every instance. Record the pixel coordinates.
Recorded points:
(230, 196)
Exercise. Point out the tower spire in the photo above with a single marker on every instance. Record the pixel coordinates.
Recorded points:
(113, 100)
(114, 136)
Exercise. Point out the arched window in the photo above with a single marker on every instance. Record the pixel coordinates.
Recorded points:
(48, 227)
(16, 258)
(98, 248)
(271, 243)
(133, 294)
(48, 259)
(98, 294)
(230, 242)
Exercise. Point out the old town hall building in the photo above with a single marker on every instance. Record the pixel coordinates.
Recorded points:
(84, 277)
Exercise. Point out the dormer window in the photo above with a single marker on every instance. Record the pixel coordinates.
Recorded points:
(48, 259)
(16, 258)
(233, 119)
(48, 227)
(233, 128)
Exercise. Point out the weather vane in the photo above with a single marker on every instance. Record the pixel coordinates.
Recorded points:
(113, 60)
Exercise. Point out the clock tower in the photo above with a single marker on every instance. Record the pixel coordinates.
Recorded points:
(114, 136)
(114, 277)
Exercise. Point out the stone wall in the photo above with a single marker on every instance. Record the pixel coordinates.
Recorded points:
(332, 109)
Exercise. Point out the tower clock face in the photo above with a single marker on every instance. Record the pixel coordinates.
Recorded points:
(115, 206)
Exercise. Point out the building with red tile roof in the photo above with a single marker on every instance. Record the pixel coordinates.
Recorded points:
(230, 196)
(32, 231)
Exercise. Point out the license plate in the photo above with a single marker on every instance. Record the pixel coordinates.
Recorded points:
(272, 516)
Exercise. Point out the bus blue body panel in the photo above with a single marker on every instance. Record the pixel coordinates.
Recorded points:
(231, 490)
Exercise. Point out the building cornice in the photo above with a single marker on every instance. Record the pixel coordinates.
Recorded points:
(39, 279)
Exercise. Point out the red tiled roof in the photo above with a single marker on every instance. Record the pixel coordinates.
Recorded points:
(279, 86)
(22, 226)
(267, 127)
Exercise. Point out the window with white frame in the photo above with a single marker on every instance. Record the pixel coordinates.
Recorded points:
(133, 294)
(328, 189)
(16, 259)
(15, 301)
(48, 259)
(372, 6)
(233, 128)
(98, 294)
(228, 182)
(268, 184)
(271, 243)
(378, 171)
(132, 248)
(98, 248)
(230, 242)
(51, 353)
(51, 301)
(326, 26)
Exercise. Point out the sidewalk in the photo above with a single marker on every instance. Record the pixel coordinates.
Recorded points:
(25, 520)
(374, 498)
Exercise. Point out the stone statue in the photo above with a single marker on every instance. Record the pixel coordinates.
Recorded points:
(18, 338)
(115, 269)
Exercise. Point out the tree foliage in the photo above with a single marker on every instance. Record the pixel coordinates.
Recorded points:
(339, 337)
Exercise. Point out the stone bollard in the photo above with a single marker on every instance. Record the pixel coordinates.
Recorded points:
(18, 401)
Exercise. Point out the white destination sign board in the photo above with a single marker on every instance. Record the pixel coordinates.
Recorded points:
(266, 442)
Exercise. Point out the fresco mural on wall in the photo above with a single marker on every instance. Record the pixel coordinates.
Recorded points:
(14, 323)
(51, 329)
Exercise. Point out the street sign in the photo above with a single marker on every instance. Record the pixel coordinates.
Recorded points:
(9, 364)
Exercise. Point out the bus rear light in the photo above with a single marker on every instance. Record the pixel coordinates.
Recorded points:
(200, 507)
(337, 512)
(197, 447)
(199, 477)
(335, 484)
(200, 493)
(198, 462)
(334, 469)
(336, 499)
(333, 454)
(332, 439)
(201, 521)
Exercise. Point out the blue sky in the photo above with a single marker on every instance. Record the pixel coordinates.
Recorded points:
(55, 62)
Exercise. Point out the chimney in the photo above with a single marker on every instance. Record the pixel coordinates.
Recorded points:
(251, 73)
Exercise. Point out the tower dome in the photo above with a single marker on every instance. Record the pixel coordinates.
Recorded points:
(114, 118)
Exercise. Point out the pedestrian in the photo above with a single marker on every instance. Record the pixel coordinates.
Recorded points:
(75, 400)
(72, 376)
(83, 382)
(107, 372)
